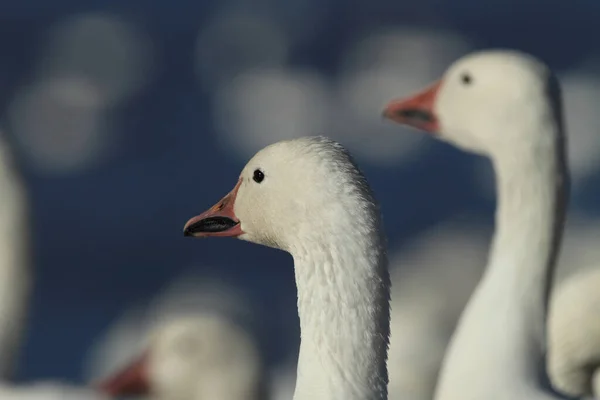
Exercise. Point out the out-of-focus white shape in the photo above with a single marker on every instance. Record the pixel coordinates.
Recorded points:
(264, 106)
(237, 40)
(45, 390)
(200, 349)
(15, 262)
(383, 66)
(574, 320)
(110, 53)
(15, 288)
(581, 94)
(432, 279)
(204, 356)
(59, 125)
(574, 314)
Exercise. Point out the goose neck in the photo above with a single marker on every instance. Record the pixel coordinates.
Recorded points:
(343, 304)
(499, 342)
(529, 223)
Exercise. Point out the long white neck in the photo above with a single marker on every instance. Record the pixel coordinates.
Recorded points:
(497, 348)
(343, 303)
(14, 264)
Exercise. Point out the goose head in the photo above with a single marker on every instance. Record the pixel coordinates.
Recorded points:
(490, 103)
(288, 192)
(193, 357)
(307, 197)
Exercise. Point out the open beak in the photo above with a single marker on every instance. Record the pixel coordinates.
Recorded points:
(416, 111)
(130, 381)
(219, 220)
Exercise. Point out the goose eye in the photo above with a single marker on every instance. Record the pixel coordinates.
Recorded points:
(466, 78)
(258, 176)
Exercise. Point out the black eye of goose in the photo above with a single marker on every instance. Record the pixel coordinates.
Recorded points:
(466, 78)
(258, 176)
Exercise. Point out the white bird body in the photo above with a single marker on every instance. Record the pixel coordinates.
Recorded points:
(573, 330)
(191, 343)
(504, 105)
(574, 334)
(194, 357)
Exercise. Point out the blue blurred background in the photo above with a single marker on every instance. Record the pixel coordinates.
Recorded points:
(128, 118)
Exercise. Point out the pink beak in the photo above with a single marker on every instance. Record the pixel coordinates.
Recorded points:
(219, 220)
(130, 381)
(416, 111)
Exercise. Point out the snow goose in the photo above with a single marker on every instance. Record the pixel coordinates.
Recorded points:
(307, 197)
(505, 105)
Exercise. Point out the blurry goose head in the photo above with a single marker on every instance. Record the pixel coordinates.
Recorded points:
(490, 102)
(193, 357)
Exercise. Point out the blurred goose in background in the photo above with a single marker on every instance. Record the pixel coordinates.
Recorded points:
(307, 197)
(574, 335)
(430, 289)
(190, 344)
(433, 287)
(15, 265)
(504, 105)
(573, 324)
(195, 357)
(15, 289)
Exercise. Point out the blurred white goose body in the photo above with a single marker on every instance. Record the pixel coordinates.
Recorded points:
(15, 274)
(195, 340)
(505, 105)
(15, 288)
(574, 335)
(195, 357)
(307, 197)
(573, 331)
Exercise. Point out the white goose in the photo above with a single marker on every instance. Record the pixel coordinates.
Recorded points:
(15, 288)
(504, 105)
(197, 342)
(573, 357)
(574, 334)
(187, 358)
(307, 197)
